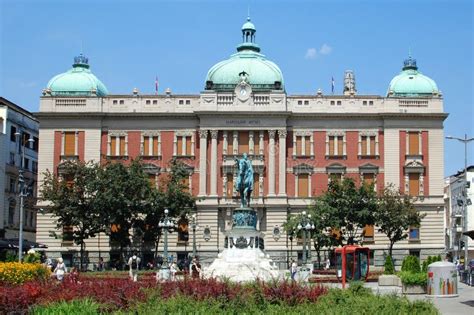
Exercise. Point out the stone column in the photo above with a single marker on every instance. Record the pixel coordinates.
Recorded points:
(271, 162)
(202, 161)
(213, 163)
(282, 162)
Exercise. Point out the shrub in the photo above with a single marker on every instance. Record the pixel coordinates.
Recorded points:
(18, 273)
(389, 269)
(428, 261)
(413, 278)
(79, 307)
(411, 264)
(32, 257)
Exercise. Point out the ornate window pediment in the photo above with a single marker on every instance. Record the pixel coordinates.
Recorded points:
(336, 168)
(414, 166)
(368, 168)
(303, 168)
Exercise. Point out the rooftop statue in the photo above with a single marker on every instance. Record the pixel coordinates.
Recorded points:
(244, 181)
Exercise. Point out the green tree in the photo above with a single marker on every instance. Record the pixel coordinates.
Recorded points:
(174, 195)
(350, 208)
(395, 214)
(123, 194)
(71, 201)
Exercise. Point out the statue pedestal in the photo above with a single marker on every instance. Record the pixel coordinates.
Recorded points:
(243, 258)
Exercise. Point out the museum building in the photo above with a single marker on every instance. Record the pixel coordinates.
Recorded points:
(297, 144)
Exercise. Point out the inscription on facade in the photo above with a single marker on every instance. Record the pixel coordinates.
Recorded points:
(252, 122)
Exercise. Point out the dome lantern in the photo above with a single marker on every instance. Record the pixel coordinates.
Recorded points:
(248, 37)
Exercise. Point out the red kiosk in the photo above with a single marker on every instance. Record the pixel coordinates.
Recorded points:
(352, 263)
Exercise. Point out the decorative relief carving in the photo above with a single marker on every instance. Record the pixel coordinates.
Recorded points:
(203, 133)
(282, 133)
(151, 133)
(303, 133)
(214, 134)
(271, 133)
(118, 133)
(184, 133)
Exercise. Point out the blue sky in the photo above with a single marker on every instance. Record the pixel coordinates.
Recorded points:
(130, 42)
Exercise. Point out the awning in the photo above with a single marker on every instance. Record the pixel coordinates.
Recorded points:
(27, 245)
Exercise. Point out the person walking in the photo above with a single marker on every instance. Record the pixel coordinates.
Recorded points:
(196, 268)
(293, 269)
(134, 264)
(60, 269)
(173, 270)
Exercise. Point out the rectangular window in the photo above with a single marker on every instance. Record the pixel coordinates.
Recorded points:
(69, 143)
(12, 158)
(368, 233)
(230, 185)
(181, 102)
(35, 144)
(333, 103)
(298, 145)
(188, 102)
(414, 184)
(147, 102)
(12, 185)
(122, 146)
(414, 234)
(180, 150)
(413, 143)
(113, 146)
(369, 178)
(12, 133)
(122, 102)
(307, 147)
(11, 213)
(339, 102)
(155, 102)
(153, 141)
(364, 145)
(336, 145)
(243, 142)
(335, 177)
(26, 164)
(256, 146)
(303, 187)
(67, 234)
(364, 103)
(146, 146)
(26, 137)
(367, 145)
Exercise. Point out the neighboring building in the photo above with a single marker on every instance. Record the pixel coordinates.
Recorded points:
(298, 143)
(459, 196)
(14, 119)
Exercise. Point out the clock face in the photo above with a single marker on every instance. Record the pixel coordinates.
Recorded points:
(243, 91)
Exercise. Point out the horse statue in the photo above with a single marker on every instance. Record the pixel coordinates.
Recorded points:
(244, 181)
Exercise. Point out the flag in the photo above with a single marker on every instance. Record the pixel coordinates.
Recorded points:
(332, 85)
(156, 86)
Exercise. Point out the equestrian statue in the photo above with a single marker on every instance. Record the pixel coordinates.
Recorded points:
(244, 181)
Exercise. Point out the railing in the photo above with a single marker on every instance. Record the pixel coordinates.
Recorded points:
(413, 103)
(70, 102)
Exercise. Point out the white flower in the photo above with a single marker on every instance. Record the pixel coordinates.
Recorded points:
(31, 252)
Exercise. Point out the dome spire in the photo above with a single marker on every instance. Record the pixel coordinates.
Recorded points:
(248, 36)
(410, 63)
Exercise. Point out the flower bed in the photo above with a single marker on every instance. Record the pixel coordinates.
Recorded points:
(17, 273)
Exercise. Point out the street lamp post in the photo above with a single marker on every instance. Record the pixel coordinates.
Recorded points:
(464, 140)
(305, 225)
(23, 192)
(194, 226)
(165, 224)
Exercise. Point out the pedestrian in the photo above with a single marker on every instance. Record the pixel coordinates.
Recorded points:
(195, 268)
(173, 270)
(100, 265)
(293, 269)
(328, 264)
(60, 269)
(74, 275)
(134, 265)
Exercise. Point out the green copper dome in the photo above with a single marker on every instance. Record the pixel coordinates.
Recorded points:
(411, 83)
(78, 81)
(259, 72)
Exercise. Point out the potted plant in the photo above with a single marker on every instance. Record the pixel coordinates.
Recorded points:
(412, 277)
(389, 278)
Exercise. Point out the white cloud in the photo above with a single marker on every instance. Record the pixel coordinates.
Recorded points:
(311, 53)
(325, 49)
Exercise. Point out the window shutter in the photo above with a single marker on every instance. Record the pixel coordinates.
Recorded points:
(230, 185)
(69, 143)
(331, 145)
(340, 145)
(307, 146)
(155, 146)
(364, 145)
(188, 146)
(122, 146)
(372, 145)
(413, 143)
(146, 146)
(179, 145)
(303, 185)
(298, 145)
(256, 188)
(113, 146)
(414, 184)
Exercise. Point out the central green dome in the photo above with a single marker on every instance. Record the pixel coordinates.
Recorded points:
(78, 81)
(262, 74)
